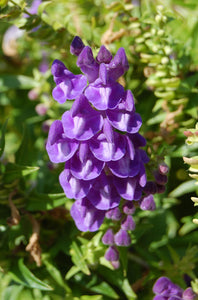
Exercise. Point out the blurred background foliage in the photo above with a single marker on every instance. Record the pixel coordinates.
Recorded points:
(42, 254)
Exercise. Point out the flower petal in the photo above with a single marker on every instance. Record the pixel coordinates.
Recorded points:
(86, 216)
(103, 194)
(82, 121)
(73, 187)
(59, 148)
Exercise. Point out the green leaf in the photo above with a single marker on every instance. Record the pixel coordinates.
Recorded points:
(12, 292)
(127, 289)
(78, 259)
(2, 139)
(105, 289)
(183, 188)
(24, 276)
(55, 273)
(72, 271)
(14, 171)
(45, 201)
(8, 82)
(88, 297)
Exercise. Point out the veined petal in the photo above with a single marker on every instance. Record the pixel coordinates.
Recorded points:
(73, 187)
(103, 194)
(86, 216)
(86, 170)
(69, 86)
(128, 188)
(59, 148)
(82, 121)
(105, 150)
(124, 120)
(125, 167)
(104, 96)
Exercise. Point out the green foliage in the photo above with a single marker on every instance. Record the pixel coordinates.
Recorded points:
(43, 256)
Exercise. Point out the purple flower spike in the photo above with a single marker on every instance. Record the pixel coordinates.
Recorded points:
(86, 216)
(104, 95)
(108, 237)
(73, 187)
(128, 188)
(122, 238)
(112, 254)
(114, 214)
(188, 294)
(148, 203)
(87, 64)
(118, 65)
(175, 298)
(82, 121)
(84, 165)
(128, 208)
(128, 223)
(103, 194)
(104, 55)
(59, 148)
(69, 86)
(76, 46)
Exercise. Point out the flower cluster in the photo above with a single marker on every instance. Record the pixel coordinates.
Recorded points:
(165, 289)
(99, 142)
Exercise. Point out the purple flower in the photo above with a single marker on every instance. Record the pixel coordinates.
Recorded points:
(112, 254)
(128, 208)
(68, 85)
(103, 194)
(81, 122)
(76, 46)
(188, 294)
(166, 288)
(60, 148)
(72, 186)
(114, 214)
(98, 140)
(108, 237)
(128, 223)
(122, 238)
(86, 216)
(148, 203)
(87, 64)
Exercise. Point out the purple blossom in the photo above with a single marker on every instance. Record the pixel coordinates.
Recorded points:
(188, 294)
(108, 237)
(86, 216)
(98, 140)
(128, 223)
(68, 85)
(167, 289)
(148, 203)
(122, 238)
(112, 254)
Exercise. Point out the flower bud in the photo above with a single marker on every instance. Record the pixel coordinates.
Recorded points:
(108, 237)
(148, 203)
(128, 223)
(114, 214)
(122, 238)
(112, 254)
(76, 46)
(188, 294)
(128, 208)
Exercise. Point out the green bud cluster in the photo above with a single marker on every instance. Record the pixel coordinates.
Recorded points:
(192, 137)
